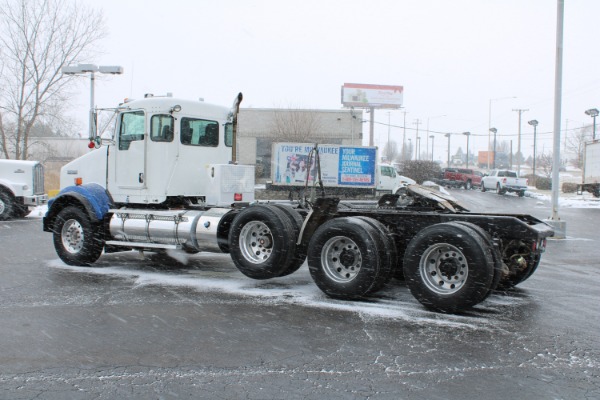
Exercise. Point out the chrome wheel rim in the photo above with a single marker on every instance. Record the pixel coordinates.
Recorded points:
(72, 236)
(444, 269)
(256, 242)
(2, 207)
(341, 259)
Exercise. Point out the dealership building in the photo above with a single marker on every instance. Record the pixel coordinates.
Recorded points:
(259, 128)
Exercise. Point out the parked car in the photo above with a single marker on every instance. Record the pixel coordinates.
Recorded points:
(503, 180)
(461, 177)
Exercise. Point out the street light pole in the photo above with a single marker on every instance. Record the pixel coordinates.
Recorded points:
(534, 123)
(490, 124)
(431, 137)
(417, 122)
(593, 112)
(92, 69)
(493, 130)
(448, 136)
(427, 137)
(467, 134)
(520, 111)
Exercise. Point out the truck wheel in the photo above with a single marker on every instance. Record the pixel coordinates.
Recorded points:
(447, 267)
(6, 206)
(499, 190)
(262, 242)
(521, 193)
(482, 186)
(496, 255)
(468, 185)
(347, 258)
(76, 240)
(390, 253)
(300, 253)
(21, 211)
(518, 274)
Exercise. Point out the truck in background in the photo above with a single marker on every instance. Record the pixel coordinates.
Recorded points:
(21, 187)
(168, 181)
(591, 169)
(503, 181)
(461, 177)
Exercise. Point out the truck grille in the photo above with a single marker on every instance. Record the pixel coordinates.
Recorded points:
(38, 179)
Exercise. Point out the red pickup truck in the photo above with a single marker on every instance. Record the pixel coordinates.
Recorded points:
(461, 177)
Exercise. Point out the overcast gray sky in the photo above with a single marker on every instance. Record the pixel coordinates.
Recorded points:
(452, 57)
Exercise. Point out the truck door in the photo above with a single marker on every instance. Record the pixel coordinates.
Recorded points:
(130, 168)
(387, 178)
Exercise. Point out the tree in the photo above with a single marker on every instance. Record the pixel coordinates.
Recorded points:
(38, 38)
(390, 151)
(576, 144)
(296, 125)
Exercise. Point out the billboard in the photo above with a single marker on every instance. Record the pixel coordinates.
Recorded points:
(376, 96)
(341, 166)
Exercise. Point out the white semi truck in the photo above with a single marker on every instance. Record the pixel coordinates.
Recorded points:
(591, 169)
(21, 187)
(168, 180)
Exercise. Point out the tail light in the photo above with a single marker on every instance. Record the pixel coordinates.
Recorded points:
(504, 180)
(526, 182)
(237, 197)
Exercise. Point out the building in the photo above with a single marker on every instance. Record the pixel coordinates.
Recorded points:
(259, 128)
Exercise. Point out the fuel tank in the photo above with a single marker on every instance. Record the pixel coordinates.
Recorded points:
(194, 229)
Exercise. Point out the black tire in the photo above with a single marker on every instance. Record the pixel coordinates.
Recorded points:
(6, 206)
(347, 258)
(21, 211)
(77, 241)
(468, 185)
(499, 191)
(482, 186)
(517, 276)
(300, 252)
(496, 255)
(521, 193)
(447, 267)
(262, 242)
(390, 266)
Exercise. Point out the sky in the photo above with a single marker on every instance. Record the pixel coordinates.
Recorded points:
(456, 60)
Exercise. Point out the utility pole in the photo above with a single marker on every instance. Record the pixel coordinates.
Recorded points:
(417, 122)
(519, 155)
(448, 136)
(404, 138)
(371, 126)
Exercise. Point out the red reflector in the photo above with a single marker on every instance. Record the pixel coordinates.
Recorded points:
(78, 181)
(237, 197)
(91, 145)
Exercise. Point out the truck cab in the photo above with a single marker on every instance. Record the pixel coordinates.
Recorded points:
(21, 187)
(163, 151)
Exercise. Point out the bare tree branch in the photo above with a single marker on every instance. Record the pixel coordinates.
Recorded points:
(38, 38)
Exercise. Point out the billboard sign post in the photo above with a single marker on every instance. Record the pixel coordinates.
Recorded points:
(362, 95)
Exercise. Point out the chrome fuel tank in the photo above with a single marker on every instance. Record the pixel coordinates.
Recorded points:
(194, 229)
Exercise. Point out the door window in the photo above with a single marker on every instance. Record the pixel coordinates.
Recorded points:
(131, 128)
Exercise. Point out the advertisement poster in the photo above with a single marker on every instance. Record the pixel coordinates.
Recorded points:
(340, 165)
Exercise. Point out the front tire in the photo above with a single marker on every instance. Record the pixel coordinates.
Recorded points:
(6, 206)
(447, 267)
(77, 241)
(468, 185)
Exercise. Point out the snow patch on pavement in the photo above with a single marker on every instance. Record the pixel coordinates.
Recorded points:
(394, 302)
